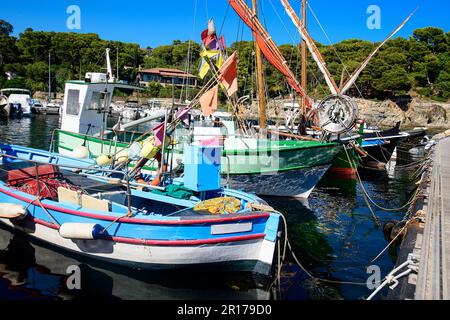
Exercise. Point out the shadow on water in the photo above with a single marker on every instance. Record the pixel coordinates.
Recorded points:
(335, 237)
(30, 269)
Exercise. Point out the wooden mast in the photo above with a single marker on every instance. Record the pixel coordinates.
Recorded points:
(304, 56)
(262, 101)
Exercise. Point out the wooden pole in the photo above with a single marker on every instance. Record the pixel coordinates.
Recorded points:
(49, 77)
(304, 56)
(262, 101)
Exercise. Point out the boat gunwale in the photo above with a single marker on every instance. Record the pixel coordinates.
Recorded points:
(124, 145)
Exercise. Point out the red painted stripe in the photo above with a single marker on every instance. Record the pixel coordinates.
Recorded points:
(187, 242)
(139, 221)
(45, 223)
(347, 173)
(168, 243)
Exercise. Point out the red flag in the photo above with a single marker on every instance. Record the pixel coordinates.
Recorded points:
(222, 43)
(208, 101)
(208, 38)
(228, 74)
(158, 133)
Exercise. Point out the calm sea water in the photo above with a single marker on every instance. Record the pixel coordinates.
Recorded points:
(333, 234)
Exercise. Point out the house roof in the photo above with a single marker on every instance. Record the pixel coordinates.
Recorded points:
(166, 72)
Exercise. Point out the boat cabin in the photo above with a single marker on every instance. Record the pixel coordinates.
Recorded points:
(85, 105)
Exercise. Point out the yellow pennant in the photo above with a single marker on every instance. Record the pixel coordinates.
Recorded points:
(203, 69)
(209, 53)
(219, 62)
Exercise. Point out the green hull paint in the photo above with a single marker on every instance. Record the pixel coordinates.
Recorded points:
(342, 161)
(267, 157)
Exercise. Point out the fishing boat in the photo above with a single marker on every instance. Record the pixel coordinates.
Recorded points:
(47, 196)
(19, 255)
(380, 145)
(347, 162)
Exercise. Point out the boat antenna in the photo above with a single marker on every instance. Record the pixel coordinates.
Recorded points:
(109, 74)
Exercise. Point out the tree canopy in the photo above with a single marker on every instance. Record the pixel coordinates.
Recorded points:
(420, 64)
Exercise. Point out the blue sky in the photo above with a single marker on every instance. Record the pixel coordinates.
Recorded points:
(157, 22)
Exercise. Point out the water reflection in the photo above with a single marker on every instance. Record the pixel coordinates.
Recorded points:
(31, 270)
(336, 237)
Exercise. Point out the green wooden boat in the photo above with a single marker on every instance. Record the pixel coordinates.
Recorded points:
(266, 167)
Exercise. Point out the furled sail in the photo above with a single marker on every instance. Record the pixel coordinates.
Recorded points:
(267, 46)
(317, 56)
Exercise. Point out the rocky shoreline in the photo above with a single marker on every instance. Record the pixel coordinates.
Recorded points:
(411, 112)
(415, 112)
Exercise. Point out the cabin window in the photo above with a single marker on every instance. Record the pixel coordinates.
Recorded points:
(73, 102)
(98, 100)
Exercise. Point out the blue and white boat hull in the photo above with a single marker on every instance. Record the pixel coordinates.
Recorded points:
(243, 241)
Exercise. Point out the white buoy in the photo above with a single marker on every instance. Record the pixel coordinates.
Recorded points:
(12, 211)
(80, 231)
(121, 157)
(80, 152)
(104, 160)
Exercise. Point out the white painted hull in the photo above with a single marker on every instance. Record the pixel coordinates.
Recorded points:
(135, 285)
(250, 255)
(294, 183)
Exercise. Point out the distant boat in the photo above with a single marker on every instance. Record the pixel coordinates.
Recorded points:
(4, 111)
(19, 102)
(131, 111)
(37, 106)
(53, 107)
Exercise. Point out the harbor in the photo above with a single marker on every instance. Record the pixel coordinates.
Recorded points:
(212, 169)
(332, 243)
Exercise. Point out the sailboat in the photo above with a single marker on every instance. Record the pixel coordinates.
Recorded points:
(348, 160)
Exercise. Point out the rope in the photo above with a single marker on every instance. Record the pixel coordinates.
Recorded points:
(334, 48)
(391, 279)
(287, 245)
(392, 241)
(115, 221)
(39, 198)
(366, 194)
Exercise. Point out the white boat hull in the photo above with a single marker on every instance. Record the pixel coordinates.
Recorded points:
(250, 255)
